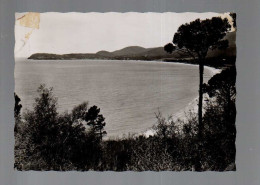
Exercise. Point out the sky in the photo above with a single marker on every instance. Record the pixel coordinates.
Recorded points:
(62, 33)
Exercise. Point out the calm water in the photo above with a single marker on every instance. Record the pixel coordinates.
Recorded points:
(128, 92)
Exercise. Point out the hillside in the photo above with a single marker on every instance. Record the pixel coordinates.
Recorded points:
(139, 53)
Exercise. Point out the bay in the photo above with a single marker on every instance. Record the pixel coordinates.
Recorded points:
(129, 93)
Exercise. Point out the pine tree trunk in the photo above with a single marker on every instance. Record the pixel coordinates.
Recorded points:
(201, 71)
(198, 166)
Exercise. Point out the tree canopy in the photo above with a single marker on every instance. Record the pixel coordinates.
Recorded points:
(197, 37)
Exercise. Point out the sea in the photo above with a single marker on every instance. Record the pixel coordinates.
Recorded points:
(128, 93)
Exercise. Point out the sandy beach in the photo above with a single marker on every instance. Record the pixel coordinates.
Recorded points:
(191, 107)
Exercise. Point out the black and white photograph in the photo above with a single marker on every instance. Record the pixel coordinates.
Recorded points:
(125, 91)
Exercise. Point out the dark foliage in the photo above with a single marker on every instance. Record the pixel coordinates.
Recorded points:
(222, 85)
(17, 111)
(96, 121)
(219, 119)
(169, 48)
(51, 141)
(197, 37)
(17, 106)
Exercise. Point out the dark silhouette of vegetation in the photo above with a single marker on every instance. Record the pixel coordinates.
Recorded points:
(96, 121)
(195, 39)
(52, 141)
(220, 138)
(17, 106)
(17, 110)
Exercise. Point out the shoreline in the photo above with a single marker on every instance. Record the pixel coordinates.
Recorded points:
(192, 106)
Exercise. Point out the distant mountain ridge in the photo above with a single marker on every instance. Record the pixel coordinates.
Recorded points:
(137, 53)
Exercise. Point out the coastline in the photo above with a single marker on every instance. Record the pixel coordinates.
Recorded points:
(191, 107)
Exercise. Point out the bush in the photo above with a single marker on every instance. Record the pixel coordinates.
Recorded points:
(52, 141)
(219, 120)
